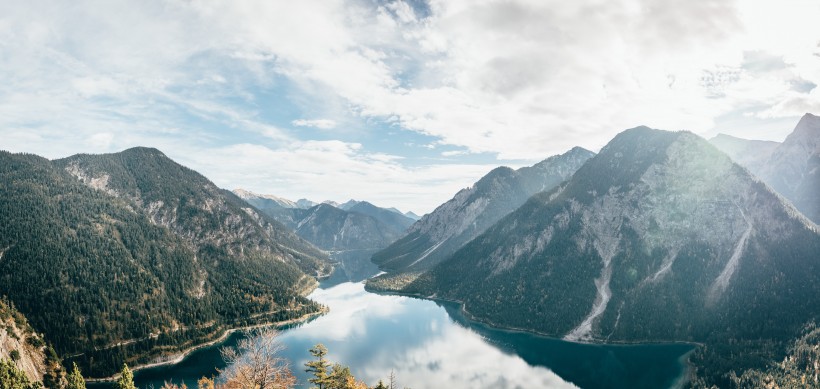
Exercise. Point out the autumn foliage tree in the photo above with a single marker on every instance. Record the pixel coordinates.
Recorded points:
(255, 363)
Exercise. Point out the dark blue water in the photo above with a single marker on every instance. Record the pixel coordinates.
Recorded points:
(431, 345)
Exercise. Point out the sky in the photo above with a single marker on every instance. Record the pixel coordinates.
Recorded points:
(401, 103)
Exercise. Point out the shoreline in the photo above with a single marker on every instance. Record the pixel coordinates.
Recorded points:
(473, 318)
(182, 355)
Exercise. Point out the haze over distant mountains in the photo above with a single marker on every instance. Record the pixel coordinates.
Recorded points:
(354, 225)
(791, 168)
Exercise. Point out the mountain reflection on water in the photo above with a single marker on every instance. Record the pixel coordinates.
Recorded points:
(430, 344)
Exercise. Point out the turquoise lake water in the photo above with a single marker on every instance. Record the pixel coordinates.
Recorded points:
(430, 344)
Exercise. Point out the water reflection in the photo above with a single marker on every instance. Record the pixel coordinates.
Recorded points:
(431, 345)
(375, 334)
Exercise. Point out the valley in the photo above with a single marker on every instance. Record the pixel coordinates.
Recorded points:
(652, 263)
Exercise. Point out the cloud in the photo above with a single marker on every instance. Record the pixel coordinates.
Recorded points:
(332, 170)
(518, 79)
(324, 124)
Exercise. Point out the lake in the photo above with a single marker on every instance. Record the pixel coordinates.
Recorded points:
(430, 344)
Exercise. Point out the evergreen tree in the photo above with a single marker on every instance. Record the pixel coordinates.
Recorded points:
(319, 367)
(13, 378)
(126, 380)
(75, 379)
(381, 385)
(340, 377)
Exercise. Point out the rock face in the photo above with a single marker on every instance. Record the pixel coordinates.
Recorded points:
(793, 169)
(659, 237)
(752, 154)
(439, 234)
(17, 337)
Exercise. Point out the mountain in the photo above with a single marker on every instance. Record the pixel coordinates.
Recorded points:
(365, 207)
(412, 215)
(273, 200)
(396, 222)
(660, 237)
(193, 207)
(348, 204)
(753, 154)
(333, 228)
(793, 169)
(282, 210)
(439, 234)
(130, 256)
(305, 203)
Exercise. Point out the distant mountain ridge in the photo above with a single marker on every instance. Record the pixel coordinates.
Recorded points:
(440, 233)
(354, 225)
(752, 154)
(791, 168)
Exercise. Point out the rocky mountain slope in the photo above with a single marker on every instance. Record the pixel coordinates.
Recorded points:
(793, 169)
(124, 257)
(660, 237)
(440, 233)
(21, 344)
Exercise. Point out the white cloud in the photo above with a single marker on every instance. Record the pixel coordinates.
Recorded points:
(332, 170)
(324, 124)
(521, 78)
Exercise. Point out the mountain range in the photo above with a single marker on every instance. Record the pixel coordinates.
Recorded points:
(354, 225)
(659, 237)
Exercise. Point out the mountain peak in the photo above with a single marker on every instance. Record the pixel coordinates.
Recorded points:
(144, 151)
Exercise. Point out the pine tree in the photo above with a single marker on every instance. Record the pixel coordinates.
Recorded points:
(75, 379)
(126, 380)
(381, 385)
(319, 367)
(13, 378)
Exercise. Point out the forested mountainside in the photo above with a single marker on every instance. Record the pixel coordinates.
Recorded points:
(440, 233)
(191, 206)
(660, 237)
(355, 225)
(139, 256)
